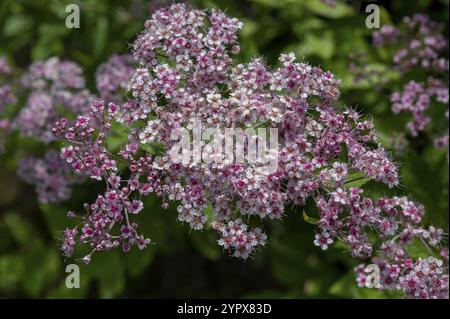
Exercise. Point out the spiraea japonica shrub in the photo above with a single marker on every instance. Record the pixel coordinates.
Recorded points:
(416, 49)
(186, 81)
(49, 90)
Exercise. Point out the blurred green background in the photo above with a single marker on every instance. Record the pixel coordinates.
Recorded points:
(184, 263)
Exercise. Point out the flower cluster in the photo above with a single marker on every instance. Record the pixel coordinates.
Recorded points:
(253, 95)
(363, 71)
(112, 77)
(7, 97)
(421, 43)
(54, 86)
(51, 176)
(186, 75)
(419, 46)
(424, 278)
(91, 158)
(350, 217)
(234, 235)
(416, 98)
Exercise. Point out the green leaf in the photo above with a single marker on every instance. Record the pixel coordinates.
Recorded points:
(346, 287)
(209, 212)
(416, 249)
(205, 243)
(100, 36)
(108, 270)
(152, 148)
(425, 176)
(4, 10)
(310, 220)
(287, 258)
(309, 25)
(137, 260)
(115, 142)
(50, 40)
(249, 28)
(42, 265)
(12, 269)
(21, 229)
(357, 179)
(321, 45)
(120, 129)
(56, 218)
(385, 17)
(61, 291)
(16, 24)
(340, 10)
(271, 3)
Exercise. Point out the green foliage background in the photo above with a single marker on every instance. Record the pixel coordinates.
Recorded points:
(184, 263)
